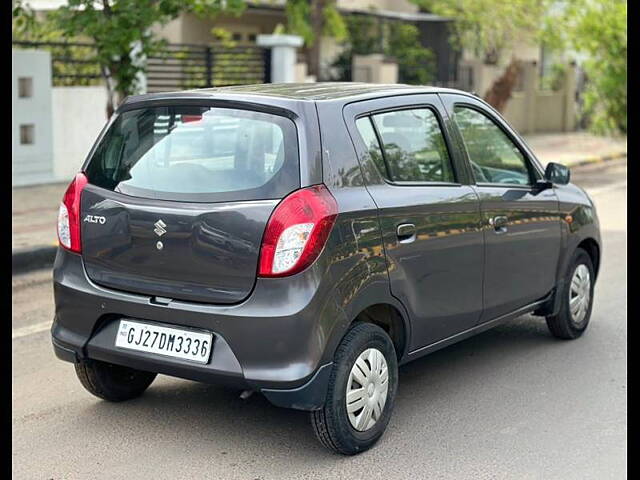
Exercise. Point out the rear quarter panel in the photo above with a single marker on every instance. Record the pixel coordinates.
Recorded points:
(358, 265)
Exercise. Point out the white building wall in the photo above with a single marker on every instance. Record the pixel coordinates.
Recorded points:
(31, 118)
(80, 114)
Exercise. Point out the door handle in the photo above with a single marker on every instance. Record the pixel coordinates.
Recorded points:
(499, 223)
(406, 232)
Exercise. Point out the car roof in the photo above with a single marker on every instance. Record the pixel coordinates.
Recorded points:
(320, 90)
(292, 93)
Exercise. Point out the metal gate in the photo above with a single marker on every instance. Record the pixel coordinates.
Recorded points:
(175, 67)
(184, 66)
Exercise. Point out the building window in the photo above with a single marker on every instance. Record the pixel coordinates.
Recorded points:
(237, 37)
(252, 37)
(27, 134)
(25, 87)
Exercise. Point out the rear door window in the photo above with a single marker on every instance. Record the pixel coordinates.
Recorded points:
(193, 153)
(413, 146)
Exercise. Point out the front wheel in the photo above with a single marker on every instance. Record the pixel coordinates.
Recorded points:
(576, 299)
(361, 392)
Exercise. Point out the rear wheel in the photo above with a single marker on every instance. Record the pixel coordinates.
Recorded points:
(576, 299)
(361, 393)
(114, 383)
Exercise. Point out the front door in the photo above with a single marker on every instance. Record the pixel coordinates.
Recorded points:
(520, 223)
(429, 215)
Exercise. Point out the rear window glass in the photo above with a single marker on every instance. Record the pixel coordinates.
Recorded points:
(197, 154)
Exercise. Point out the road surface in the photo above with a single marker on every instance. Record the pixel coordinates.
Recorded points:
(512, 402)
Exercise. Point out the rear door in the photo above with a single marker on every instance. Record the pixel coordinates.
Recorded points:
(429, 215)
(179, 196)
(520, 223)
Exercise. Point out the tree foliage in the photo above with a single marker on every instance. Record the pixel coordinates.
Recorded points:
(312, 19)
(366, 35)
(83, 70)
(416, 64)
(597, 29)
(488, 27)
(299, 15)
(121, 33)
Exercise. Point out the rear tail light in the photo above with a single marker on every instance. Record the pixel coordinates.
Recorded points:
(191, 118)
(297, 231)
(69, 215)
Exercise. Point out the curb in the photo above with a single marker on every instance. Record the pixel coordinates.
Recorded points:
(596, 159)
(27, 259)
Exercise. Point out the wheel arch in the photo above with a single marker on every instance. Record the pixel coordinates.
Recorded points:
(593, 250)
(390, 319)
(590, 245)
(388, 315)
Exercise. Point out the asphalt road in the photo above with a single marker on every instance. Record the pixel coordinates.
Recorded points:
(512, 402)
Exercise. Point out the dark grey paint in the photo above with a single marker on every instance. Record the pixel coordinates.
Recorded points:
(281, 335)
(209, 251)
(521, 255)
(448, 245)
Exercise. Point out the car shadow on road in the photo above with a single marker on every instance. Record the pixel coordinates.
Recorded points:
(198, 414)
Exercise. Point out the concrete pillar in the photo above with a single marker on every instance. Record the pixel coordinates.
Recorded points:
(374, 68)
(283, 55)
(301, 75)
(31, 117)
(139, 59)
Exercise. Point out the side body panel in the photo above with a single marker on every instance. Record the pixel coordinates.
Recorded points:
(437, 276)
(359, 268)
(522, 254)
(521, 257)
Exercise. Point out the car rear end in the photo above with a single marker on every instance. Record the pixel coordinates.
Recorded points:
(191, 244)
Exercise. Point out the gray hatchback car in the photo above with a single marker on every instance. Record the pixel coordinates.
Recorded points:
(302, 241)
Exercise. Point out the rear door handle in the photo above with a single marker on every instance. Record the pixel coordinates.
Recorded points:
(406, 232)
(499, 223)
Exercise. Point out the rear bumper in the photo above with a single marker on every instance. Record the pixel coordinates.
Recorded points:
(274, 342)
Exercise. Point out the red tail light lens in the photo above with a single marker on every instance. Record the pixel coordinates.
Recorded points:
(69, 215)
(297, 231)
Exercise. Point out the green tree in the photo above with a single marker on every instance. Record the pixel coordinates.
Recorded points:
(120, 31)
(312, 19)
(27, 27)
(488, 28)
(399, 40)
(597, 29)
(415, 62)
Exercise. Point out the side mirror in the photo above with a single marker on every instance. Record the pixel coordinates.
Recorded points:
(558, 174)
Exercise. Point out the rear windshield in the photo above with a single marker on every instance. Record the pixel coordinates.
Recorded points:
(194, 153)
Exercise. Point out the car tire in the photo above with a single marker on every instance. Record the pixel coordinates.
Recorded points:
(578, 287)
(113, 383)
(334, 426)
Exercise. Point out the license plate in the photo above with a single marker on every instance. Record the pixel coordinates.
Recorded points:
(167, 341)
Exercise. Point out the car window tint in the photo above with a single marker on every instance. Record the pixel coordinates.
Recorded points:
(414, 146)
(494, 157)
(196, 153)
(373, 146)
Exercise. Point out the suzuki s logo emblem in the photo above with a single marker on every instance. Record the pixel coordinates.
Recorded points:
(160, 228)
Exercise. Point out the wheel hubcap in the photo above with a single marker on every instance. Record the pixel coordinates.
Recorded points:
(367, 389)
(580, 294)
